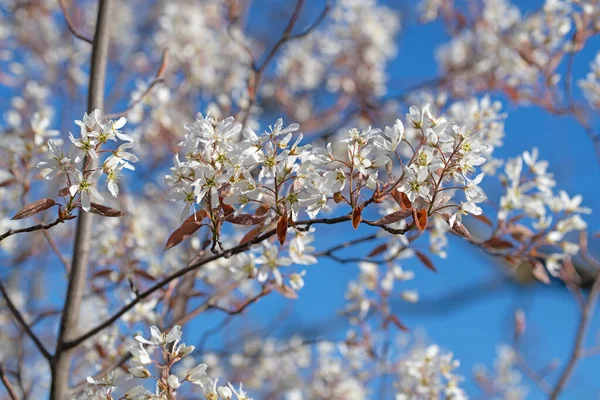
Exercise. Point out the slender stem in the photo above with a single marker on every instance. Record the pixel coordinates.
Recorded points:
(9, 388)
(21, 320)
(33, 228)
(578, 346)
(76, 32)
(79, 268)
(300, 225)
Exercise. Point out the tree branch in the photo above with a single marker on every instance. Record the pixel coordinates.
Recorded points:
(159, 78)
(7, 384)
(33, 228)
(300, 225)
(71, 25)
(79, 269)
(578, 346)
(19, 317)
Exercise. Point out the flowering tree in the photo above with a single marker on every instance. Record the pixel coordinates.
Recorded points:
(159, 214)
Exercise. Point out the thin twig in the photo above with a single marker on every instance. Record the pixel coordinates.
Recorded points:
(71, 25)
(258, 71)
(578, 345)
(56, 250)
(19, 317)
(7, 384)
(301, 225)
(33, 228)
(159, 78)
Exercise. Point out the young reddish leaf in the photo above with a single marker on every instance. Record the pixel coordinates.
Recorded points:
(198, 216)
(282, 228)
(483, 219)
(245, 219)
(227, 209)
(378, 250)
(394, 319)
(461, 230)
(143, 274)
(285, 290)
(356, 216)
(497, 243)
(262, 210)
(422, 219)
(102, 272)
(393, 217)
(8, 182)
(34, 208)
(520, 232)
(63, 192)
(105, 211)
(182, 233)
(402, 199)
(426, 261)
(539, 271)
(252, 233)
(339, 198)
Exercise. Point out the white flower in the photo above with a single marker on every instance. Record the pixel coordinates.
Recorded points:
(84, 187)
(572, 204)
(140, 371)
(140, 355)
(39, 126)
(271, 262)
(297, 280)
(85, 145)
(241, 395)
(197, 375)
(138, 393)
(121, 156)
(157, 338)
(415, 186)
(57, 162)
(465, 209)
(225, 392)
(173, 381)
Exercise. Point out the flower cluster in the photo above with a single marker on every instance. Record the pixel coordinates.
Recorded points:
(505, 379)
(590, 86)
(529, 194)
(94, 133)
(429, 373)
(348, 54)
(505, 46)
(168, 382)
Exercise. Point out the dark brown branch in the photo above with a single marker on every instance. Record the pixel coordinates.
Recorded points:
(258, 71)
(71, 25)
(33, 228)
(300, 225)
(24, 325)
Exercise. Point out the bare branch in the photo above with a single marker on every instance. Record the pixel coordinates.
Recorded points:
(578, 346)
(24, 325)
(7, 384)
(33, 228)
(71, 25)
(258, 71)
(159, 78)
